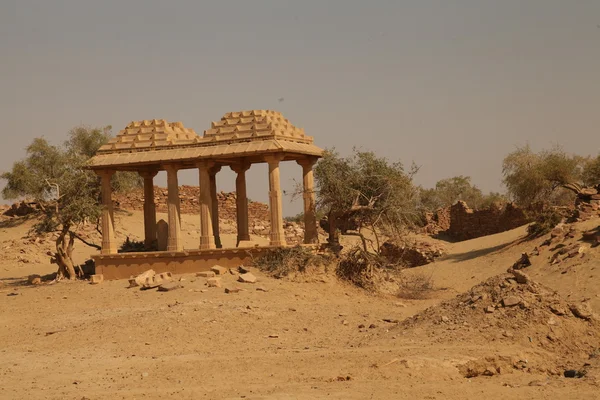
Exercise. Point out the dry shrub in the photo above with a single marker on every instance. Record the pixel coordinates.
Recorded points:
(544, 223)
(284, 261)
(415, 286)
(365, 269)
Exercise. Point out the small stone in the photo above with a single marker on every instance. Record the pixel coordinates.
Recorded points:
(344, 322)
(581, 311)
(232, 290)
(490, 309)
(214, 282)
(96, 279)
(261, 289)
(233, 271)
(243, 270)
(247, 277)
(206, 274)
(445, 318)
(372, 326)
(361, 326)
(511, 301)
(521, 277)
(218, 270)
(144, 374)
(167, 287)
(34, 280)
(489, 371)
(274, 336)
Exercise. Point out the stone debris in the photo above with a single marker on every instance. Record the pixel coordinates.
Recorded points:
(141, 278)
(213, 282)
(167, 287)
(522, 262)
(232, 290)
(248, 277)
(520, 277)
(96, 279)
(582, 311)
(34, 280)
(218, 270)
(511, 301)
(206, 274)
(412, 254)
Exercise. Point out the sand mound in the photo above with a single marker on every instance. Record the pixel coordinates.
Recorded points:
(515, 311)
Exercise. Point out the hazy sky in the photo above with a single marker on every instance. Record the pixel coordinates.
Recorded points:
(452, 85)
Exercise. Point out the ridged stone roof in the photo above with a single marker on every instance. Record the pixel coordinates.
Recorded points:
(236, 134)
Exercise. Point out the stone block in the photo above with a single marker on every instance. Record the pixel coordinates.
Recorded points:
(247, 278)
(214, 282)
(511, 301)
(206, 274)
(96, 279)
(218, 270)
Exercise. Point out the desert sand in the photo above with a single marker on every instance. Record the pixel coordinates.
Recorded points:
(306, 337)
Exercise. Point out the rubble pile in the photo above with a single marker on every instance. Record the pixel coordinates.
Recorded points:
(587, 204)
(412, 254)
(511, 308)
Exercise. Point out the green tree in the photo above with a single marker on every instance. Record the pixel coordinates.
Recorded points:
(591, 171)
(448, 191)
(538, 177)
(56, 177)
(370, 190)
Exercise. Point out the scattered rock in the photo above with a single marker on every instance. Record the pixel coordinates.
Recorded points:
(214, 282)
(218, 270)
(372, 326)
(34, 280)
(243, 270)
(167, 287)
(522, 262)
(232, 290)
(520, 277)
(511, 301)
(582, 311)
(96, 279)
(247, 277)
(141, 278)
(206, 274)
(490, 309)
(261, 289)
(233, 271)
(445, 319)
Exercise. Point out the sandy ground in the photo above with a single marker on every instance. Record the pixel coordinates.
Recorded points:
(295, 340)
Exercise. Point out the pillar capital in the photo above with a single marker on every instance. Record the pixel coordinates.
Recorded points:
(240, 167)
(171, 167)
(274, 159)
(204, 164)
(307, 161)
(105, 173)
(214, 170)
(148, 173)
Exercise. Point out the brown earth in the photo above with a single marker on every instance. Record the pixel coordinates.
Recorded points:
(313, 337)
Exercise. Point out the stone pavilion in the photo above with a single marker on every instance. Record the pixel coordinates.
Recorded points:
(237, 141)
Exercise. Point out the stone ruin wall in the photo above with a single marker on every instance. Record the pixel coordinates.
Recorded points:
(463, 223)
(466, 223)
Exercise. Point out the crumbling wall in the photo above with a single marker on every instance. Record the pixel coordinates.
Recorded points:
(466, 223)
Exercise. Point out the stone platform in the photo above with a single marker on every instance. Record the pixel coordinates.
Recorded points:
(124, 265)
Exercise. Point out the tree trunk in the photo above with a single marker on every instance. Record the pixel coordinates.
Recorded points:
(63, 256)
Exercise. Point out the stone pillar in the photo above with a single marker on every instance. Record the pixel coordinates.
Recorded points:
(149, 209)
(241, 202)
(310, 212)
(215, 205)
(207, 240)
(173, 206)
(275, 207)
(109, 245)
